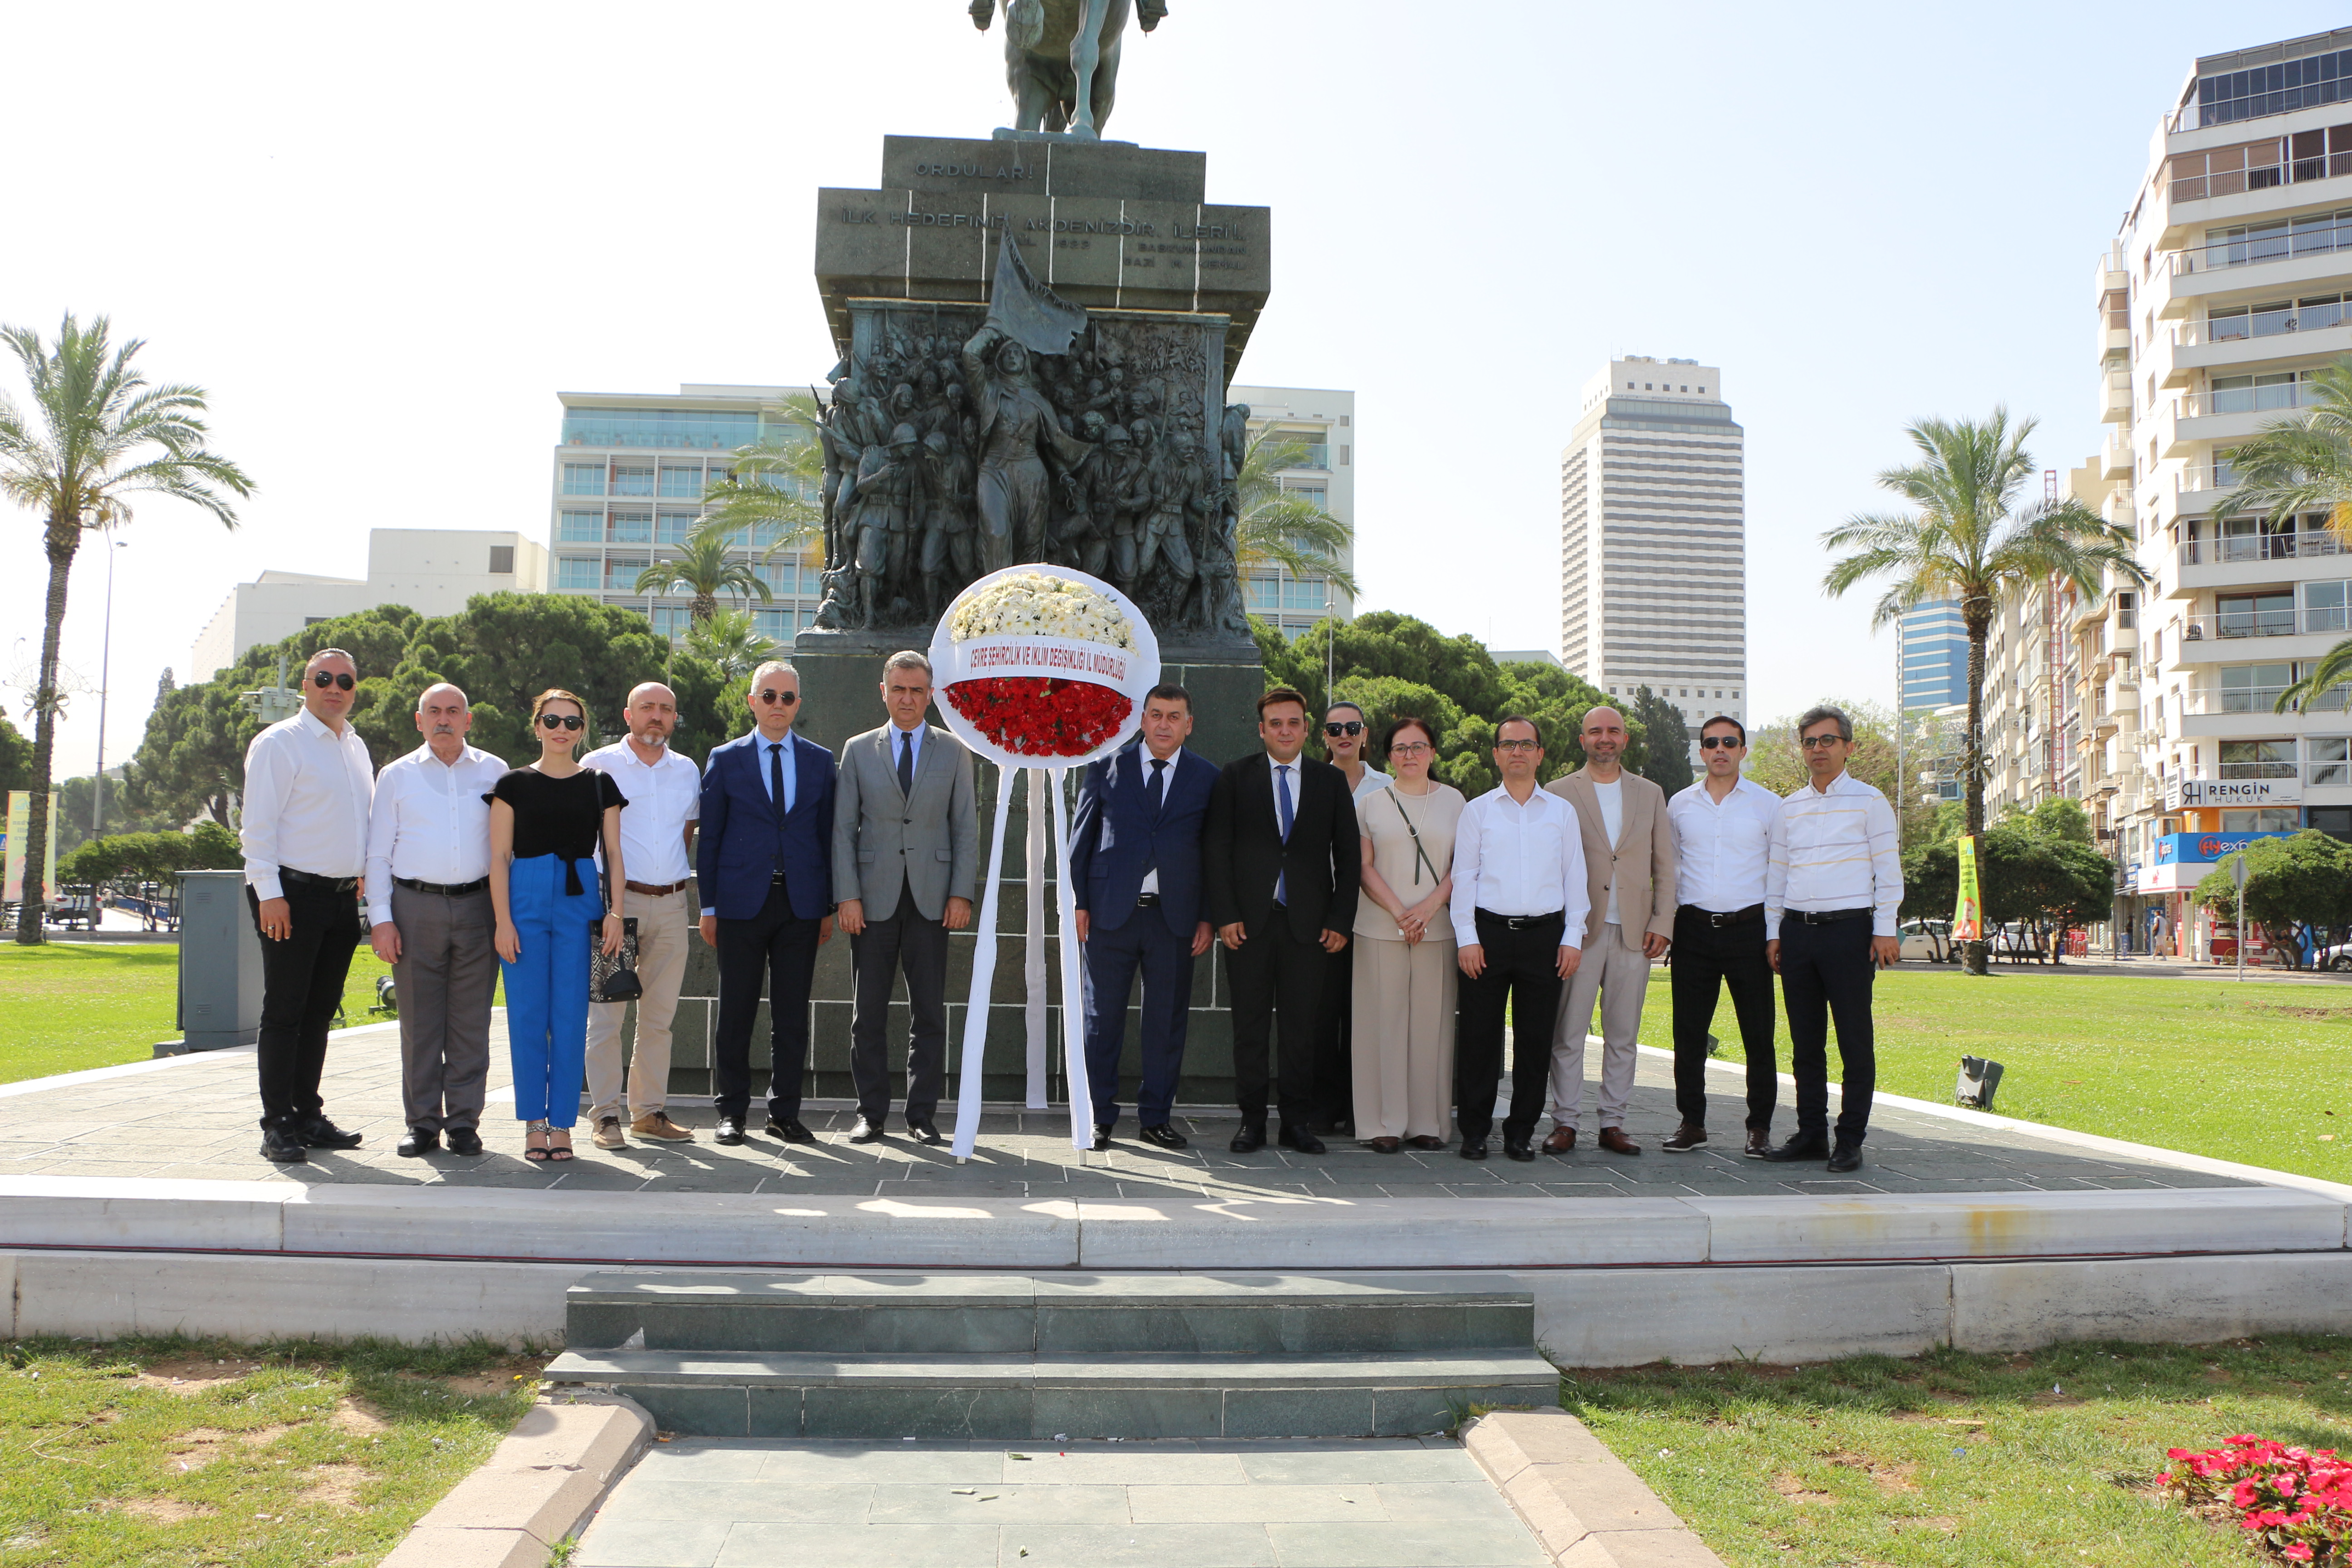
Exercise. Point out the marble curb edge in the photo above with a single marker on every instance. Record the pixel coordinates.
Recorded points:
(540, 1486)
(1584, 1505)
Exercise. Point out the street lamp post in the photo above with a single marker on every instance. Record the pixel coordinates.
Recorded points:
(105, 671)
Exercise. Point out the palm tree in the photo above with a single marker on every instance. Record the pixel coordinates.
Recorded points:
(104, 436)
(1969, 542)
(2303, 463)
(706, 570)
(1284, 528)
(731, 640)
(773, 481)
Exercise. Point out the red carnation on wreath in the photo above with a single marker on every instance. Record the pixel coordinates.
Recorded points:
(1041, 715)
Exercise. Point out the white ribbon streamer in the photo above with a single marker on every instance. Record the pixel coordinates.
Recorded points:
(984, 971)
(1034, 960)
(1074, 1011)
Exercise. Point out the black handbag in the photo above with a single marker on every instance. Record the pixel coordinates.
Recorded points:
(614, 977)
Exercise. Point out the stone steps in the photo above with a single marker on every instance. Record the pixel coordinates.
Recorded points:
(1022, 1359)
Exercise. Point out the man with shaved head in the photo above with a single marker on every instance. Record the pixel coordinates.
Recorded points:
(664, 791)
(429, 915)
(1629, 866)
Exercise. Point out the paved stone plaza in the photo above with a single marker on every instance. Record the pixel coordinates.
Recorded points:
(1079, 1505)
(194, 1118)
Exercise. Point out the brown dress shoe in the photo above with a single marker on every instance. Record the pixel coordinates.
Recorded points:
(1561, 1140)
(1384, 1145)
(1613, 1139)
(657, 1126)
(1426, 1140)
(1687, 1137)
(608, 1133)
(1760, 1144)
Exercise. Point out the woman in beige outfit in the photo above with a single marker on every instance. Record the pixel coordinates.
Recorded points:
(1404, 980)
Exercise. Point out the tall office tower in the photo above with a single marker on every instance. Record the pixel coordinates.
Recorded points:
(2225, 292)
(1935, 654)
(1319, 425)
(1652, 554)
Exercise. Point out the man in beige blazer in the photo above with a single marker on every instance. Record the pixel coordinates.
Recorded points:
(1629, 866)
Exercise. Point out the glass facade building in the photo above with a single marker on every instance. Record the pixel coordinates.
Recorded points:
(1934, 653)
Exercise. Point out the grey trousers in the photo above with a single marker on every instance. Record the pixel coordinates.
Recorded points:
(448, 973)
(1618, 976)
(910, 943)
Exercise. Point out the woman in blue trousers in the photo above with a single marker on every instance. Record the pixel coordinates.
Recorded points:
(545, 823)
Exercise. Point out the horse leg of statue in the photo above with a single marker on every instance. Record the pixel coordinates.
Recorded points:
(1106, 84)
(1085, 53)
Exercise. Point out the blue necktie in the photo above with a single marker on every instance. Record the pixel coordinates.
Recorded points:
(1282, 798)
(776, 777)
(907, 763)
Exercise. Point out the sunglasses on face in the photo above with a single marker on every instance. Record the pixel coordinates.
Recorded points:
(324, 680)
(786, 698)
(1815, 742)
(1349, 727)
(1717, 743)
(560, 721)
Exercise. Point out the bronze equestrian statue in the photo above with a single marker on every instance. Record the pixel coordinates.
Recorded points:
(1061, 58)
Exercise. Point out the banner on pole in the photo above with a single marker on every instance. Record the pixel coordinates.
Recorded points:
(1968, 917)
(20, 828)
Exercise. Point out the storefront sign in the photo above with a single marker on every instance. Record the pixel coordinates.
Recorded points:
(2181, 793)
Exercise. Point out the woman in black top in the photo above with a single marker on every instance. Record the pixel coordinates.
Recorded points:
(545, 822)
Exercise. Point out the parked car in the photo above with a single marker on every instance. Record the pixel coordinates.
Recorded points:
(2336, 957)
(1926, 941)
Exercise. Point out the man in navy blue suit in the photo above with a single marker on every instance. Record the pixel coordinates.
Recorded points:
(1135, 862)
(766, 873)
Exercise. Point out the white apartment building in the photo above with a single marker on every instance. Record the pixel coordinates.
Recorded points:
(433, 571)
(2228, 286)
(1323, 421)
(1653, 544)
(628, 477)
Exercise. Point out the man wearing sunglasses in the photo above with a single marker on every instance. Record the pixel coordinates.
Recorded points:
(308, 789)
(1831, 890)
(766, 884)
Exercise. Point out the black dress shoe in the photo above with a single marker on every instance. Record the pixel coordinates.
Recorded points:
(730, 1131)
(1250, 1138)
(282, 1147)
(1473, 1148)
(789, 1131)
(1845, 1157)
(1799, 1147)
(464, 1140)
(1760, 1144)
(865, 1131)
(1300, 1139)
(1102, 1140)
(416, 1142)
(1520, 1149)
(1163, 1137)
(321, 1133)
(924, 1132)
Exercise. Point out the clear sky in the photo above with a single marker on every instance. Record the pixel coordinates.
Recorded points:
(384, 238)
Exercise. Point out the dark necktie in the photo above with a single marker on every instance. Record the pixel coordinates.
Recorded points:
(907, 763)
(1157, 788)
(1282, 798)
(776, 776)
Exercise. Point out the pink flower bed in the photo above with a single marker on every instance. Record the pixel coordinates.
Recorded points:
(2296, 1501)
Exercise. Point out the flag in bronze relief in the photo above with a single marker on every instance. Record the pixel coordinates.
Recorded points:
(1026, 310)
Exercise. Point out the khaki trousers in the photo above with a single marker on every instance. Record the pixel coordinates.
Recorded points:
(1402, 1041)
(663, 931)
(1619, 977)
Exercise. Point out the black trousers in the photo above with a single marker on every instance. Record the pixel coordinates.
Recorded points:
(1273, 973)
(779, 948)
(910, 943)
(1707, 958)
(1826, 973)
(301, 987)
(1335, 1062)
(1520, 985)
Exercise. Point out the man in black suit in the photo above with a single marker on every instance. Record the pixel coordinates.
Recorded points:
(1135, 866)
(1279, 871)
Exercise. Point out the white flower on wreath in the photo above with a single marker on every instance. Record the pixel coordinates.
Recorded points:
(1031, 603)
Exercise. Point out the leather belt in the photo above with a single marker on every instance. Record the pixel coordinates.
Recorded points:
(312, 880)
(1825, 917)
(445, 889)
(1716, 917)
(1147, 901)
(649, 890)
(1522, 922)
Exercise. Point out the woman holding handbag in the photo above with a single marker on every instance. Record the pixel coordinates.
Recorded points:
(1404, 972)
(546, 821)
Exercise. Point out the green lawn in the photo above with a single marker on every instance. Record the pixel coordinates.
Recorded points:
(2260, 1073)
(166, 1453)
(2026, 1461)
(65, 1006)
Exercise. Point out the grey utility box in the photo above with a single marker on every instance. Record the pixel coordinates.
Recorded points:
(220, 964)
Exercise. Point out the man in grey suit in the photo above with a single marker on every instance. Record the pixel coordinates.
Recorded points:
(1629, 867)
(905, 858)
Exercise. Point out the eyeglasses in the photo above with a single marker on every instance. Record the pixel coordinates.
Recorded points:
(1519, 745)
(560, 721)
(786, 698)
(1815, 742)
(324, 680)
(1350, 727)
(1408, 748)
(1717, 742)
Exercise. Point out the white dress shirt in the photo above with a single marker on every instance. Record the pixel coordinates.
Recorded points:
(1612, 797)
(1372, 782)
(662, 798)
(1723, 848)
(1834, 849)
(1143, 761)
(1514, 860)
(307, 791)
(429, 823)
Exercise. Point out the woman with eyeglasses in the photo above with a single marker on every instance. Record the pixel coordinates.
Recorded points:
(1405, 969)
(1345, 738)
(546, 821)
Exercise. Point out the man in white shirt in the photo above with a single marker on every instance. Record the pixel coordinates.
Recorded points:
(1723, 840)
(1519, 910)
(428, 881)
(1831, 890)
(665, 794)
(304, 828)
